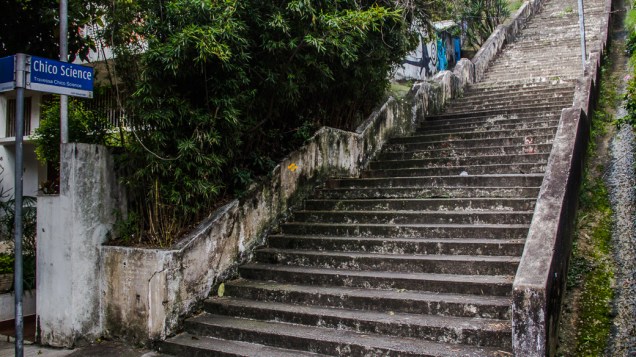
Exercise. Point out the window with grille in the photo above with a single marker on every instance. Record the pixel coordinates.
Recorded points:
(11, 117)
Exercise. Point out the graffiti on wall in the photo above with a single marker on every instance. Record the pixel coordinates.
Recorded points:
(422, 60)
(430, 57)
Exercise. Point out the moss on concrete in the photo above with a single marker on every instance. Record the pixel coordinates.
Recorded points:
(587, 322)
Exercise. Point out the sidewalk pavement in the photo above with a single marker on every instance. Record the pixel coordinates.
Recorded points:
(97, 349)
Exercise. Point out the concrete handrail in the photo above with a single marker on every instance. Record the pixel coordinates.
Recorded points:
(539, 284)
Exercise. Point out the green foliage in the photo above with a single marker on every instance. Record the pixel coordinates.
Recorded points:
(514, 5)
(630, 47)
(29, 223)
(223, 89)
(84, 126)
(6, 263)
(607, 100)
(630, 27)
(591, 269)
(32, 27)
(482, 17)
(630, 104)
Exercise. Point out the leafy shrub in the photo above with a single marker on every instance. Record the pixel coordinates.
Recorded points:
(481, 18)
(220, 86)
(84, 126)
(630, 47)
(29, 223)
(6, 263)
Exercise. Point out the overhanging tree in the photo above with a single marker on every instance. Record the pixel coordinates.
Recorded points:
(222, 87)
(32, 27)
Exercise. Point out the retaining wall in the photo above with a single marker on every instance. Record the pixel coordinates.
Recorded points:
(539, 285)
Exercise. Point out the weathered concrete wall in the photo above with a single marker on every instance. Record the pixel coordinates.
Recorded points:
(71, 228)
(539, 284)
(7, 305)
(148, 291)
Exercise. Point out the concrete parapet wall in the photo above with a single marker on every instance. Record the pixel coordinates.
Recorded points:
(148, 291)
(7, 305)
(539, 285)
(540, 280)
(71, 227)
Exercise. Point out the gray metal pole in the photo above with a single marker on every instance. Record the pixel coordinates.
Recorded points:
(19, 133)
(64, 58)
(582, 28)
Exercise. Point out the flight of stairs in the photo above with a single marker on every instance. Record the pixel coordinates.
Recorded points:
(418, 255)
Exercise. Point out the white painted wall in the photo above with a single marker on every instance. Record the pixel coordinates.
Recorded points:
(34, 171)
(7, 305)
(72, 226)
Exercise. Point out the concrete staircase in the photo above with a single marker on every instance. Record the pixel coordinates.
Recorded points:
(418, 255)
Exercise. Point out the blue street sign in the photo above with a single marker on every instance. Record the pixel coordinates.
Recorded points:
(58, 77)
(7, 73)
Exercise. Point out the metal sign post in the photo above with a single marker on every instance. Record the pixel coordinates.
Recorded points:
(64, 58)
(18, 73)
(582, 30)
(20, 83)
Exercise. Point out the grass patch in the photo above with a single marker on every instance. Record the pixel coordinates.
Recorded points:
(591, 270)
(400, 89)
(514, 5)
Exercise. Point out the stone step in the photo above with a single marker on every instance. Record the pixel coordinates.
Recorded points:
(461, 106)
(489, 169)
(186, 344)
(488, 88)
(459, 330)
(448, 246)
(516, 92)
(524, 141)
(517, 59)
(439, 122)
(397, 301)
(423, 138)
(529, 180)
(497, 285)
(499, 73)
(524, 110)
(422, 204)
(500, 66)
(538, 47)
(430, 192)
(501, 231)
(458, 161)
(413, 217)
(547, 34)
(552, 75)
(433, 264)
(525, 80)
(511, 99)
(326, 340)
(517, 124)
(440, 154)
(512, 109)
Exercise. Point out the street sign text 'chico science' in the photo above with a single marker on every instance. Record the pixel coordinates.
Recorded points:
(60, 77)
(47, 75)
